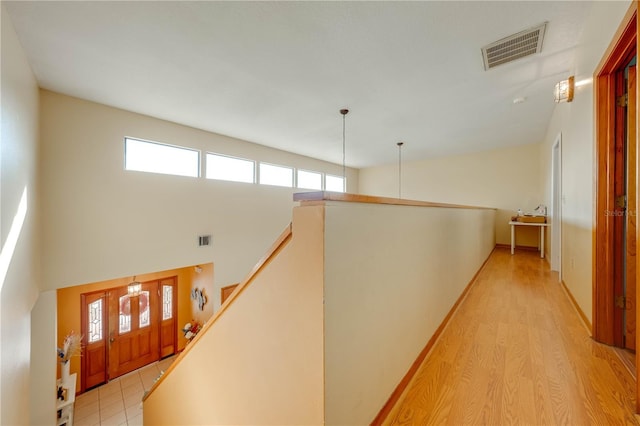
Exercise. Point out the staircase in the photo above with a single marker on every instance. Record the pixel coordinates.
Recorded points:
(330, 320)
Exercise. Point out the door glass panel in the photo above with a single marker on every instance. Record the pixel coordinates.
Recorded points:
(95, 321)
(167, 302)
(145, 319)
(125, 314)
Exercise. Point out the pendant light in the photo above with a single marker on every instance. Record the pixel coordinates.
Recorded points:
(134, 288)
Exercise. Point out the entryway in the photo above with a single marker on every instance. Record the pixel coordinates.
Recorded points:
(124, 331)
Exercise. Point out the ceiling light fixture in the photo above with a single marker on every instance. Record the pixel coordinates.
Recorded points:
(134, 288)
(344, 113)
(563, 91)
(400, 168)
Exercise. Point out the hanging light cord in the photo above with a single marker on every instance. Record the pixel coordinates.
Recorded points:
(344, 113)
(344, 175)
(400, 169)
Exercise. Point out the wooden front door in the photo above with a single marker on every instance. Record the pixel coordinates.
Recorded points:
(122, 333)
(134, 329)
(95, 336)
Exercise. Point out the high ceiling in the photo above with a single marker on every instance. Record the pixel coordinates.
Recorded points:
(277, 73)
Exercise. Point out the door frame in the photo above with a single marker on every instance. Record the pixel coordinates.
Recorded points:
(106, 333)
(556, 206)
(604, 92)
(624, 42)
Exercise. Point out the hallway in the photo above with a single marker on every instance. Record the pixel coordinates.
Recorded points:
(516, 352)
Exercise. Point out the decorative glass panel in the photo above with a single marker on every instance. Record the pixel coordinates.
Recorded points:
(145, 319)
(167, 302)
(95, 321)
(125, 314)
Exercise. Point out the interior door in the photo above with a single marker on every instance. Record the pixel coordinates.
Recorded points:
(134, 329)
(620, 212)
(225, 292)
(94, 331)
(168, 315)
(632, 165)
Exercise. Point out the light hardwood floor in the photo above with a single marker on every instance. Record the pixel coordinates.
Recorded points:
(516, 352)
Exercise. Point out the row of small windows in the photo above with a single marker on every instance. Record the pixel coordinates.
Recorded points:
(145, 156)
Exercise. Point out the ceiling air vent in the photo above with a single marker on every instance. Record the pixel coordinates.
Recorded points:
(514, 47)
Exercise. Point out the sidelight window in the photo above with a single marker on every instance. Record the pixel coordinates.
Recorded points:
(167, 302)
(95, 321)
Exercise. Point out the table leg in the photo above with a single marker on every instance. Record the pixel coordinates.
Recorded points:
(542, 242)
(513, 238)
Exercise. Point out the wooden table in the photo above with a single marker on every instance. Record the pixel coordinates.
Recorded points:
(513, 234)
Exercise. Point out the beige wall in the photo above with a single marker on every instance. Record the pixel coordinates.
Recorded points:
(19, 258)
(103, 222)
(575, 122)
(391, 276)
(506, 179)
(43, 369)
(262, 361)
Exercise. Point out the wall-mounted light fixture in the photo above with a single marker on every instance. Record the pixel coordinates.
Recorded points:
(134, 288)
(563, 91)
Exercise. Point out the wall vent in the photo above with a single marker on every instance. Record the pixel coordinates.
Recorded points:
(514, 47)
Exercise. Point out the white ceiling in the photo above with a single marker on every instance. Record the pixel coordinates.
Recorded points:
(277, 73)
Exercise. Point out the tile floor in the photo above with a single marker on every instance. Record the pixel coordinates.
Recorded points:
(119, 402)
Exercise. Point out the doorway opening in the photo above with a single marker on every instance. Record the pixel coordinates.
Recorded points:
(616, 193)
(615, 198)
